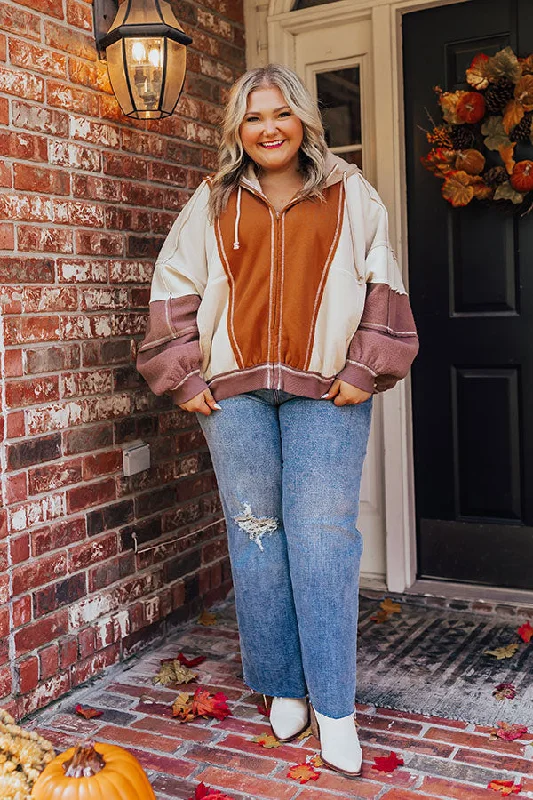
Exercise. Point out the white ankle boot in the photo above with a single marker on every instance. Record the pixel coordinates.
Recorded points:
(289, 716)
(339, 742)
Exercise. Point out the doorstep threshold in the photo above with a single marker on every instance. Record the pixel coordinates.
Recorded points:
(471, 592)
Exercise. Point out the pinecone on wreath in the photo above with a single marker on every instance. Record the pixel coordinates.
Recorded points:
(498, 95)
(495, 176)
(522, 131)
(463, 137)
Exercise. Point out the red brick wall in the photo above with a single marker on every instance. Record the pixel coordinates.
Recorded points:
(87, 197)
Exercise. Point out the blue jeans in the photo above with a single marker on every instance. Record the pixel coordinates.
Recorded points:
(288, 470)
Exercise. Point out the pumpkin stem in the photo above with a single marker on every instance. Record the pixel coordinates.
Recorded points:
(85, 762)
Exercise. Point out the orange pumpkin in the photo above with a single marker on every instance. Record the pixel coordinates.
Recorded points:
(94, 772)
(471, 107)
(522, 176)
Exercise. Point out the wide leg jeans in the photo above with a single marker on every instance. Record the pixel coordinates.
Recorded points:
(289, 471)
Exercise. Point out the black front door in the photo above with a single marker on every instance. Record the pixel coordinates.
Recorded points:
(471, 285)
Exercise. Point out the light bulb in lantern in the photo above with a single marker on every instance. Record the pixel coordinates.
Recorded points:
(154, 57)
(138, 51)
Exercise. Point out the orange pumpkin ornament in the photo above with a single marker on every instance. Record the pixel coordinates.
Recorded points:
(470, 108)
(522, 176)
(94, 771)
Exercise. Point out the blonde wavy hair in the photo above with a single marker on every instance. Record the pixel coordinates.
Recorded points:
(233, 160)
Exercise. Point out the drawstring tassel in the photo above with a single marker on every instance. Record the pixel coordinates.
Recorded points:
(236, 244)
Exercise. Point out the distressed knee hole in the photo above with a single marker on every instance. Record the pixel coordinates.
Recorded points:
(255, 527)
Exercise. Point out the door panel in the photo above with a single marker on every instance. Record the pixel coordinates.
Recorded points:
(471, 287)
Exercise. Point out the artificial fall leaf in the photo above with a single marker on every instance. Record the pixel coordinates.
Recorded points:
(477, 73)
(190, 662)
(387, 763)
(457, 188)
(513, 114)
(316, 761)
(503, 652)
(505, 787)
(207, 618)
(390, 607)
(494, 133)
(504, 691)
(207, 705)
(482, 191)
(203, 792)
(523, 92)
(303, 773)
(379, 616)
(264, 711)
(471, 161)
(448, 102)
(87, 713)
(506, 152)
(439, 161)
(182, 707)
(508, 732)
(304, 734)
(266, 740)
(526, 65)
(504, 64)
(506, 192)
(525, 632)
(174, 672)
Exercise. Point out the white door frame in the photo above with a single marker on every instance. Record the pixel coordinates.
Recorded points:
(271, 28)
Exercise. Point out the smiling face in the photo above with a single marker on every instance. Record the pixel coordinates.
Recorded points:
(271, 133)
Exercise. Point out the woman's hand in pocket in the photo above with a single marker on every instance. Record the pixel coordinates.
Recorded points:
(344, 394)
(204, 403)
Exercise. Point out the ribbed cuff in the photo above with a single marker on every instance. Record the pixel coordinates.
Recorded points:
(359, 377)
(190, 387)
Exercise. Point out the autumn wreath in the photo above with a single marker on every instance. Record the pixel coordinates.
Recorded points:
(480, 150)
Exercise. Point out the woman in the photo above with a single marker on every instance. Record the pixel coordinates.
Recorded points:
(277, 310)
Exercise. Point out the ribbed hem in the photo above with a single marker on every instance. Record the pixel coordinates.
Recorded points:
(270, 376)
(359, 377)
(190, 387)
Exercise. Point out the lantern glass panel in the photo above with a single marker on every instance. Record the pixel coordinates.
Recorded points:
(145, 69)
(117, 76)
(175, 74)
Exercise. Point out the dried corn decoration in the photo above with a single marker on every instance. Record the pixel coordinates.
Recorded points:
(23, 756)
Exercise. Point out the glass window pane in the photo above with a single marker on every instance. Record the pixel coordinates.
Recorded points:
(339, 98)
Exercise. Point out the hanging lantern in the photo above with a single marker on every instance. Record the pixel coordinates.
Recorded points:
(146, 51)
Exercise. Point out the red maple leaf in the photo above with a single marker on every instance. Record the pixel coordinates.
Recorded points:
(264, 711)
(525, 632)
(190, 662)
(303, 773)
(87, 713)
(203, 792)
(387, 763)
(207, 705)
(505, 787)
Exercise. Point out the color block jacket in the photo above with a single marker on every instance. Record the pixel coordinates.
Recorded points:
(289, 300)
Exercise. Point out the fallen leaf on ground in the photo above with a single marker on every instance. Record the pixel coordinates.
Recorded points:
(390, 606)
(379, 616)
(503, 652)
(304, 734)
(387, 763)
(266, 740)
(508, 732)
(505, 787)
(174, 672)
(263, 710)
(190, 662)
(315, 761)
(87, 713)
(505, 691)
(207, 618)
(303, 773)
(525, 632)
(207, 705)
(182, 707)
(203, 792)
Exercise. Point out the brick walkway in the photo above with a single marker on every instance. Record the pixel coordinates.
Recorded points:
(442, 758)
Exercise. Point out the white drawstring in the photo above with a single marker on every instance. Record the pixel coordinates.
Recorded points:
(350, 221)
(236, 244)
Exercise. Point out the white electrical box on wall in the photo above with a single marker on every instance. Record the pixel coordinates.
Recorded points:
(136, 458)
